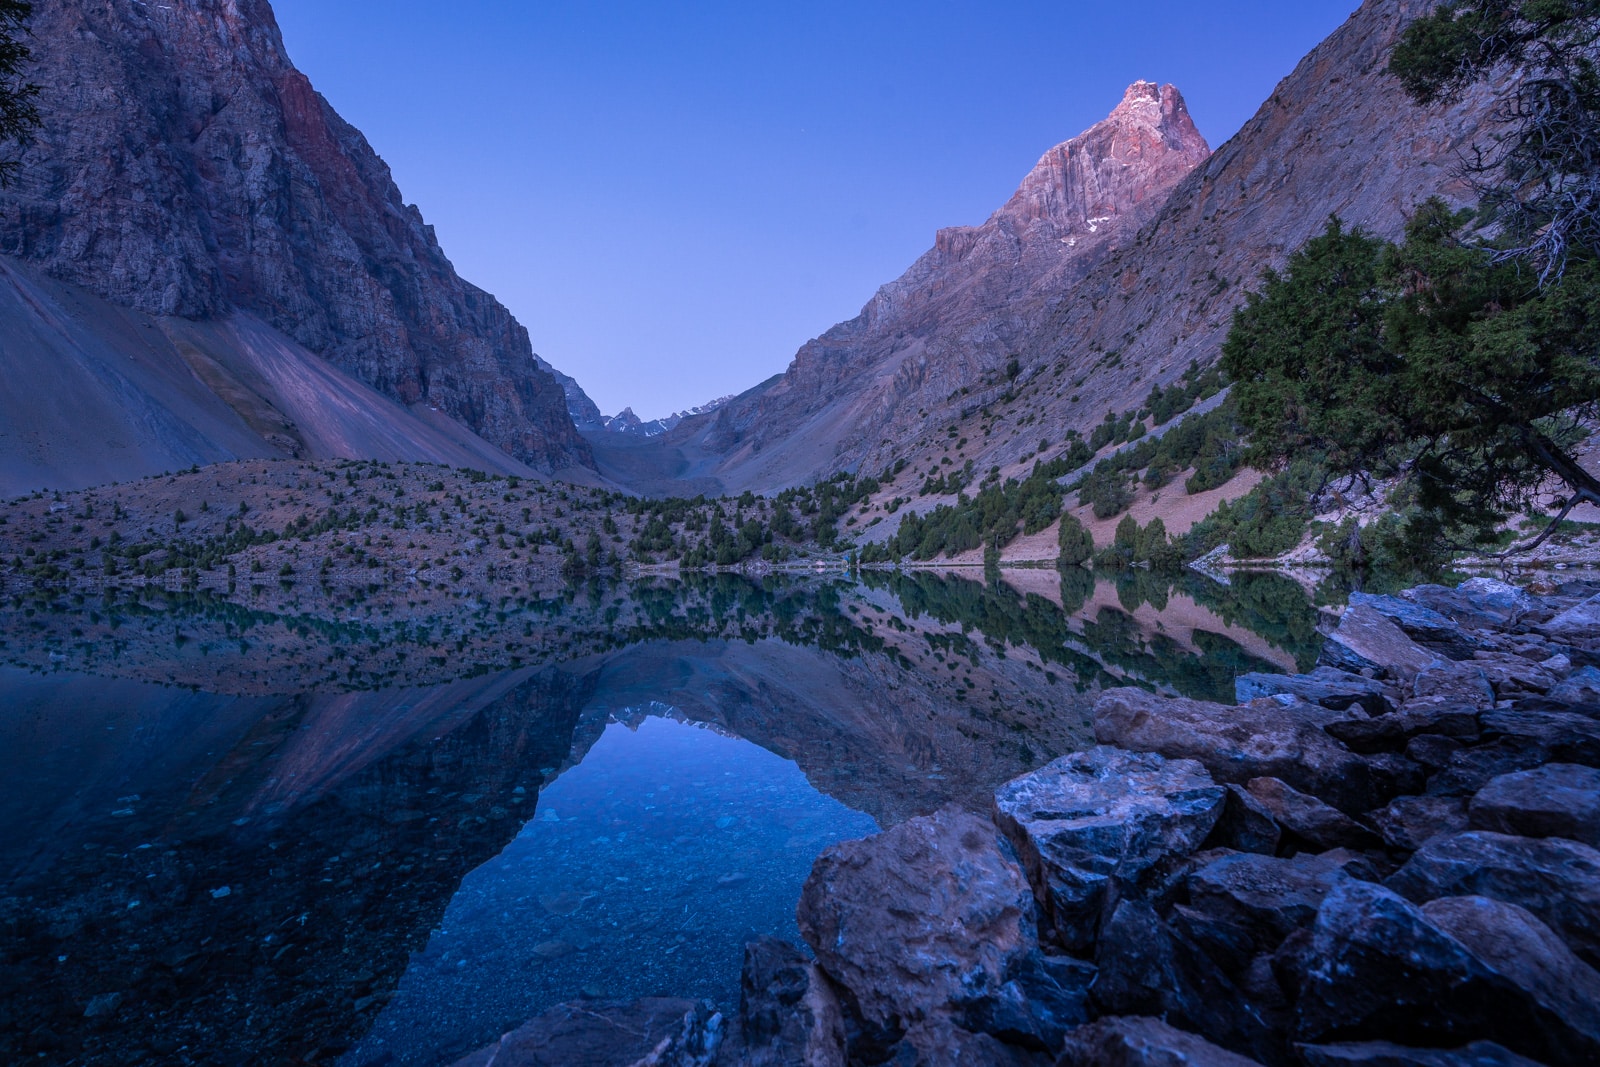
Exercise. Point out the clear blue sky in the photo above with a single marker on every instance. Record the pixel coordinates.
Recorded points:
(673, 197)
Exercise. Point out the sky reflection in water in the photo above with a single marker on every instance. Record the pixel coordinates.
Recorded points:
(647, 868)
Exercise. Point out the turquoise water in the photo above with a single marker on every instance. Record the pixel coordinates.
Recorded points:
(644, 871)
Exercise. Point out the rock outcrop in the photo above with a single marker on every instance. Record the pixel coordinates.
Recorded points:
(186, 170)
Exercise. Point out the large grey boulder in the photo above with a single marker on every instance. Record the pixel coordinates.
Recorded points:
(1236, 744)
(1366, 641)
(1141, 1041)
(1431, 629)
(1556, 800)
(1556, 879)
(1251, 903)
(1459, 969)
(921, 921)
(1478, 603)
(660, 1031)
(1465, 684)
(1580, 687)
(1088, 827)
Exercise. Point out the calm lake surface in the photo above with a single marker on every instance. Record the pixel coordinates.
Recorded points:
(211, 851)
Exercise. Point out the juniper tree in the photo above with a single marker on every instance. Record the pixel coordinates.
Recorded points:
(19, 117)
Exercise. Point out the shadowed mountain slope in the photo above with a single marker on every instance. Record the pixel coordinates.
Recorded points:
(186, 170)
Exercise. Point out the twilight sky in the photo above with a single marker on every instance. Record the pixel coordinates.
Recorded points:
(674, 196)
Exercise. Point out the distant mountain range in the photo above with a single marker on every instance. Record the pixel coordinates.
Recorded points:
(202, 261)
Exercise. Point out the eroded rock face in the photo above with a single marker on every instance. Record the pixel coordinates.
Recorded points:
(1092, 822)
(921, 921)
(185, 168)
(661, 1032)
(1240, 743)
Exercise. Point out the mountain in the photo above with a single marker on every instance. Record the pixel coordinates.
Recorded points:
(963, 307)
(625, 421)
(186, 172)
(1119, 261)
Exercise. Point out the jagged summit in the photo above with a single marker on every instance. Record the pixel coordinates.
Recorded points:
(958, 311)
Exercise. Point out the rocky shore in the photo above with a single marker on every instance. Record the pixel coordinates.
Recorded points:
(1391, 861)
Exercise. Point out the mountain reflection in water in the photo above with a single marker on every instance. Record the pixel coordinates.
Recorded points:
(275, 865)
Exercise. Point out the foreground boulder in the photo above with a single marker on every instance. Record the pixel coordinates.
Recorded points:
(1409, 823)
(1140, 1041)
(1090, 826)
(1431, 629)
(1236, 744)
(1460, 969)
(659, 1031)
(922, 922)
(1555, 879)
(1243, 905)
(1556, 800)
(1580, 621)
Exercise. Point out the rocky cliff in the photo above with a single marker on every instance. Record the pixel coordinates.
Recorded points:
(187, 170)
(1117, 262)
(962, 308)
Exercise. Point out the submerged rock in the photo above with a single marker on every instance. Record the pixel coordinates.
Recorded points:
(1556, 879)
(1140, 1041)
(1237, 744)
(1090, 825)
(1556, 800)
(920, 921)
(660, 1031)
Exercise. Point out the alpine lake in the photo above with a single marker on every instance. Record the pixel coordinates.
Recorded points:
(236, 837)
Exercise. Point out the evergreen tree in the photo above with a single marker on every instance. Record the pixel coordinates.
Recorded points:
(18, 115)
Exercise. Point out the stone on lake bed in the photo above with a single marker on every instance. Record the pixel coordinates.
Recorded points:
(665, 1031)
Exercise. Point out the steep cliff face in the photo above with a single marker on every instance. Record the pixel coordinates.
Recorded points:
(962, 308)
(186, 169)
(1131, 304)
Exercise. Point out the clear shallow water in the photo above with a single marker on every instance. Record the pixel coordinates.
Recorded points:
(221, 870)
(647, 868)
